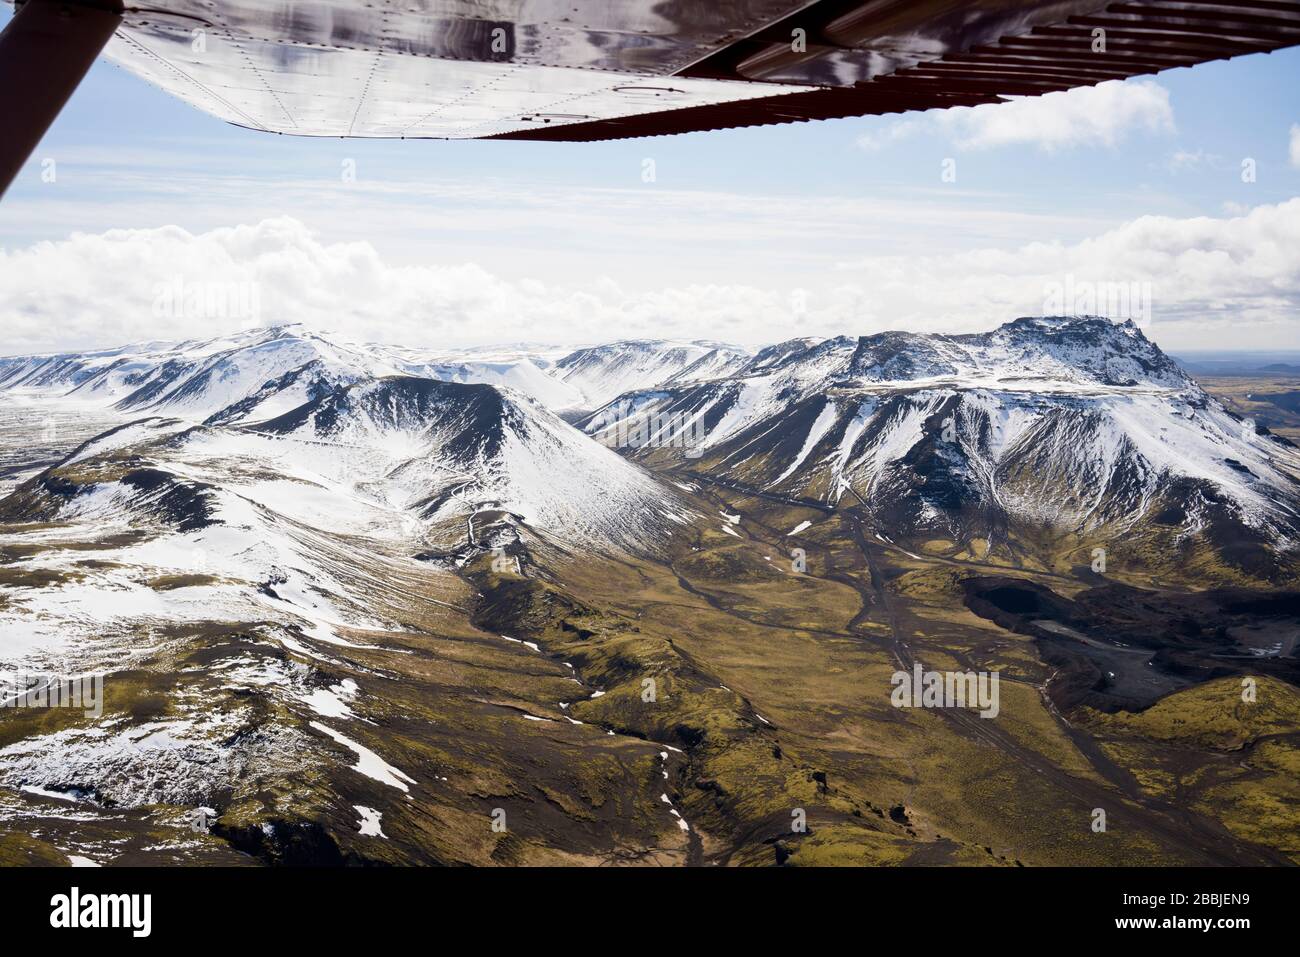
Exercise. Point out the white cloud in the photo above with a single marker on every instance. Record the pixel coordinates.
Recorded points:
(1215, 281)
(117, 287)
(1227, 282)
(1090, 115)
(1295, 145)
(1101, 115)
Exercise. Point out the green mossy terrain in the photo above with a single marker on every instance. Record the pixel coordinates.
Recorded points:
(728, 679)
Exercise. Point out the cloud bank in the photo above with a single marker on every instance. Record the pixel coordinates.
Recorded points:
(1214, 282)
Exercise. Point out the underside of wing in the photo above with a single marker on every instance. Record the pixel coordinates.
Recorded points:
(582, 70)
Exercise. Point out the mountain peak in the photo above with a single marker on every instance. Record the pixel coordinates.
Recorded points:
(1063, 350)
(457, 448)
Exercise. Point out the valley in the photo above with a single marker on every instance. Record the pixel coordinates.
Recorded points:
(368, 615)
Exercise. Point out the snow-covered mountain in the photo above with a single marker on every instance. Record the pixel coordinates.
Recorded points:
(1076, 424)
(454, 449)
(260, 373)
(424, 452)
(602, 373)
(307, 539)
(1072, 423)
(776, 354)
(405, 426)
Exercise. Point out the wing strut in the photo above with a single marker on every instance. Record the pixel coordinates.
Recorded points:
(44, 52)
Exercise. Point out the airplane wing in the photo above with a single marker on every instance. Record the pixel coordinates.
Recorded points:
(585, 70)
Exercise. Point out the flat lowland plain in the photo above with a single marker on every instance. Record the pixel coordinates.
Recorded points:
(1272, 401)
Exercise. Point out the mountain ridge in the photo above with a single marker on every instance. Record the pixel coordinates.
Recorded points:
(980, 439)
(1077, 424)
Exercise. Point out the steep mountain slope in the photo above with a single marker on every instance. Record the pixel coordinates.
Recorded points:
(426, 451)
(1043, 425)
(715, 364)
(458, 449)
(300, 363)
(775, 355)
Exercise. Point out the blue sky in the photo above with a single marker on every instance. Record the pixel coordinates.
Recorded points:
(753, 217)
